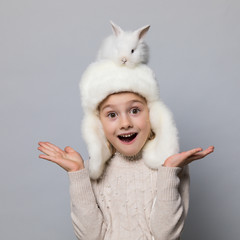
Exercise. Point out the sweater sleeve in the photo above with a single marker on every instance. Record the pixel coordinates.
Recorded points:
(86, 216)
(171, 203)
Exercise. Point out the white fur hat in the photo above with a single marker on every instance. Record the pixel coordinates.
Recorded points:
(103, 78)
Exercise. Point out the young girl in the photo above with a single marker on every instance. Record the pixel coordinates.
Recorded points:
(135, 184)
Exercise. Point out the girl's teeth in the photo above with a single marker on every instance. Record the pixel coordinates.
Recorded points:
(129, 135)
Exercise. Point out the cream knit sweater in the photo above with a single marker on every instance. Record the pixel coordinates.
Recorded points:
(129, 202)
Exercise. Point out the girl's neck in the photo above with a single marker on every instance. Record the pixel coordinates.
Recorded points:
(130, 158)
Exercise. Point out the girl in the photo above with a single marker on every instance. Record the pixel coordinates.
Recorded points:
(135, 184)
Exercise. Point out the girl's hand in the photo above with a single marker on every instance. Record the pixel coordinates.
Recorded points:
(184, 158)
(69, 159)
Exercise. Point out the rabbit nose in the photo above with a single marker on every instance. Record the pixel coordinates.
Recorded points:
(124, 60)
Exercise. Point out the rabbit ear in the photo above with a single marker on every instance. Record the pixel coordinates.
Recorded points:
(142, 31)
(116, 29)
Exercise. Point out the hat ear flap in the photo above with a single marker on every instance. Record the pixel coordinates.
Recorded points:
(165, 142)
(97, 143)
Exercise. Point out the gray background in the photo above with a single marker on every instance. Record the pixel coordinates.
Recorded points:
(44, 48)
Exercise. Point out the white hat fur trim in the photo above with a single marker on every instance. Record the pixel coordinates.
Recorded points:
(103, 78)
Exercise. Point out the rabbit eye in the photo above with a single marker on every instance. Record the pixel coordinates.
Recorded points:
(132, 51)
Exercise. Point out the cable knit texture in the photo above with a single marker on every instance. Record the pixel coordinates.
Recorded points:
(129, 202)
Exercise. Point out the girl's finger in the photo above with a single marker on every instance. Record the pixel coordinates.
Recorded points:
(209, 150)
(202, 154)
(49, 158)
(205, 152)
(57, 149)
(192, 152)
(69, 149)
(46, 146)
(46, 151)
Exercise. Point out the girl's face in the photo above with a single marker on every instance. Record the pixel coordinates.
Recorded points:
(125, 121)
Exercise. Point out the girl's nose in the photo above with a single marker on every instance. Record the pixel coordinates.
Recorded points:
(126, 122)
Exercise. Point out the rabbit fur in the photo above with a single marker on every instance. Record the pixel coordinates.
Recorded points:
(125, 47)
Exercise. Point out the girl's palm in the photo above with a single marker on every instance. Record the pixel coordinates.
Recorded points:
(68, 159)
(184, 158)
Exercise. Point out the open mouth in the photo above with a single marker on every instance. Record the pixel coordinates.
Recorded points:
(127, 137)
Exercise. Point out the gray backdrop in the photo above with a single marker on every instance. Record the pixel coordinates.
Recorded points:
(44, 48)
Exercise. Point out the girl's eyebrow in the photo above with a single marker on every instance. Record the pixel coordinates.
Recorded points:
(130, 102)
(106, 106)
(137, 101)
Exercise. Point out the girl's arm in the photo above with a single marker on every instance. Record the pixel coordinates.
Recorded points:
(171, 204)
(86, 216)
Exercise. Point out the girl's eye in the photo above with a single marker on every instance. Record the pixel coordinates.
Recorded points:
(112, 115)
(134, 111)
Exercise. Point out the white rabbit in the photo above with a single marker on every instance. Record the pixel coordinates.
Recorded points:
(125, 48)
